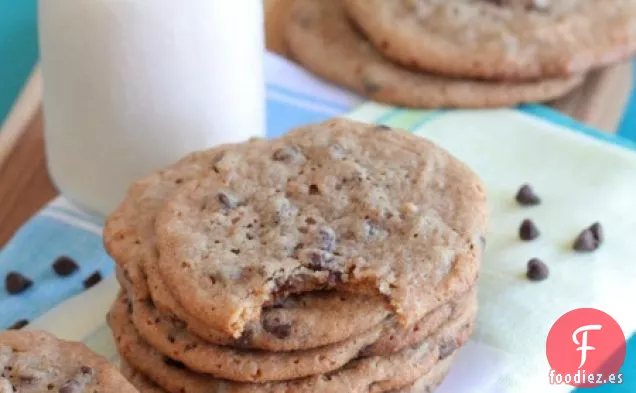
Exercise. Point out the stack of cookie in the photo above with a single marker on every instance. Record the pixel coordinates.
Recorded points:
(460, 53)
(341, 257)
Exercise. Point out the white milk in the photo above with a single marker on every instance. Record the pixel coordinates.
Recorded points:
(131, 86)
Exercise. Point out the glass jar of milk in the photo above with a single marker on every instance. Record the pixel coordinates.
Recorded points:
(131, 86)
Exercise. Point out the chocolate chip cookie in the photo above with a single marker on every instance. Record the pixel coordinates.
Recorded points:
(426, 384)
(509, 40)
(169, 337)
(337, 205)
(39, 362)
(314, 320)
(322, 39)
(379, 373)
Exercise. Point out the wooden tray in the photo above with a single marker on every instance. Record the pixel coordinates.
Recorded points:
(25, 185)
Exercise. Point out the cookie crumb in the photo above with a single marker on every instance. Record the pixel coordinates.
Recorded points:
(537, 270)
(526, 196)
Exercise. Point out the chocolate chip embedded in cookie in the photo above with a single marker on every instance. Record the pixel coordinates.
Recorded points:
(536, 5)
(332, 48)
(484, 40)
(33, 362)
(224, 265)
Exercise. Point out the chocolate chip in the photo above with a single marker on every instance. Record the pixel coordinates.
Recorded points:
(313, 189)
(537, 5)
(173, 363)
(92, 280)
(70, 387)
(597, 230)
(29, 379)
(245, 341)
(19, 324)
(87, 370)
(527, 197)
(229, 200)
(65, 266)
(537, 270)
(334, 278)
(278, 329)
(327, 239)
(447, 349)
(288, 154)
(17, 283)
(319, 260)
(369, 86)
(528, 230)
(590, 238)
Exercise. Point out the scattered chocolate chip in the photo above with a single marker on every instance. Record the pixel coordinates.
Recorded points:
(17, 283)
(597, 230)
(173, 363)
(313, 189)
(382, 127)
(229, 200)
(537, 270)
(277, 328)
(527, 197)
(19, 324)
(327, 239)
(92, 280)
(590, 238)
(65, 266)
(528, 230)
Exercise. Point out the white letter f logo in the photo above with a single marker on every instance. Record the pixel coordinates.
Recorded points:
(584, 347)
